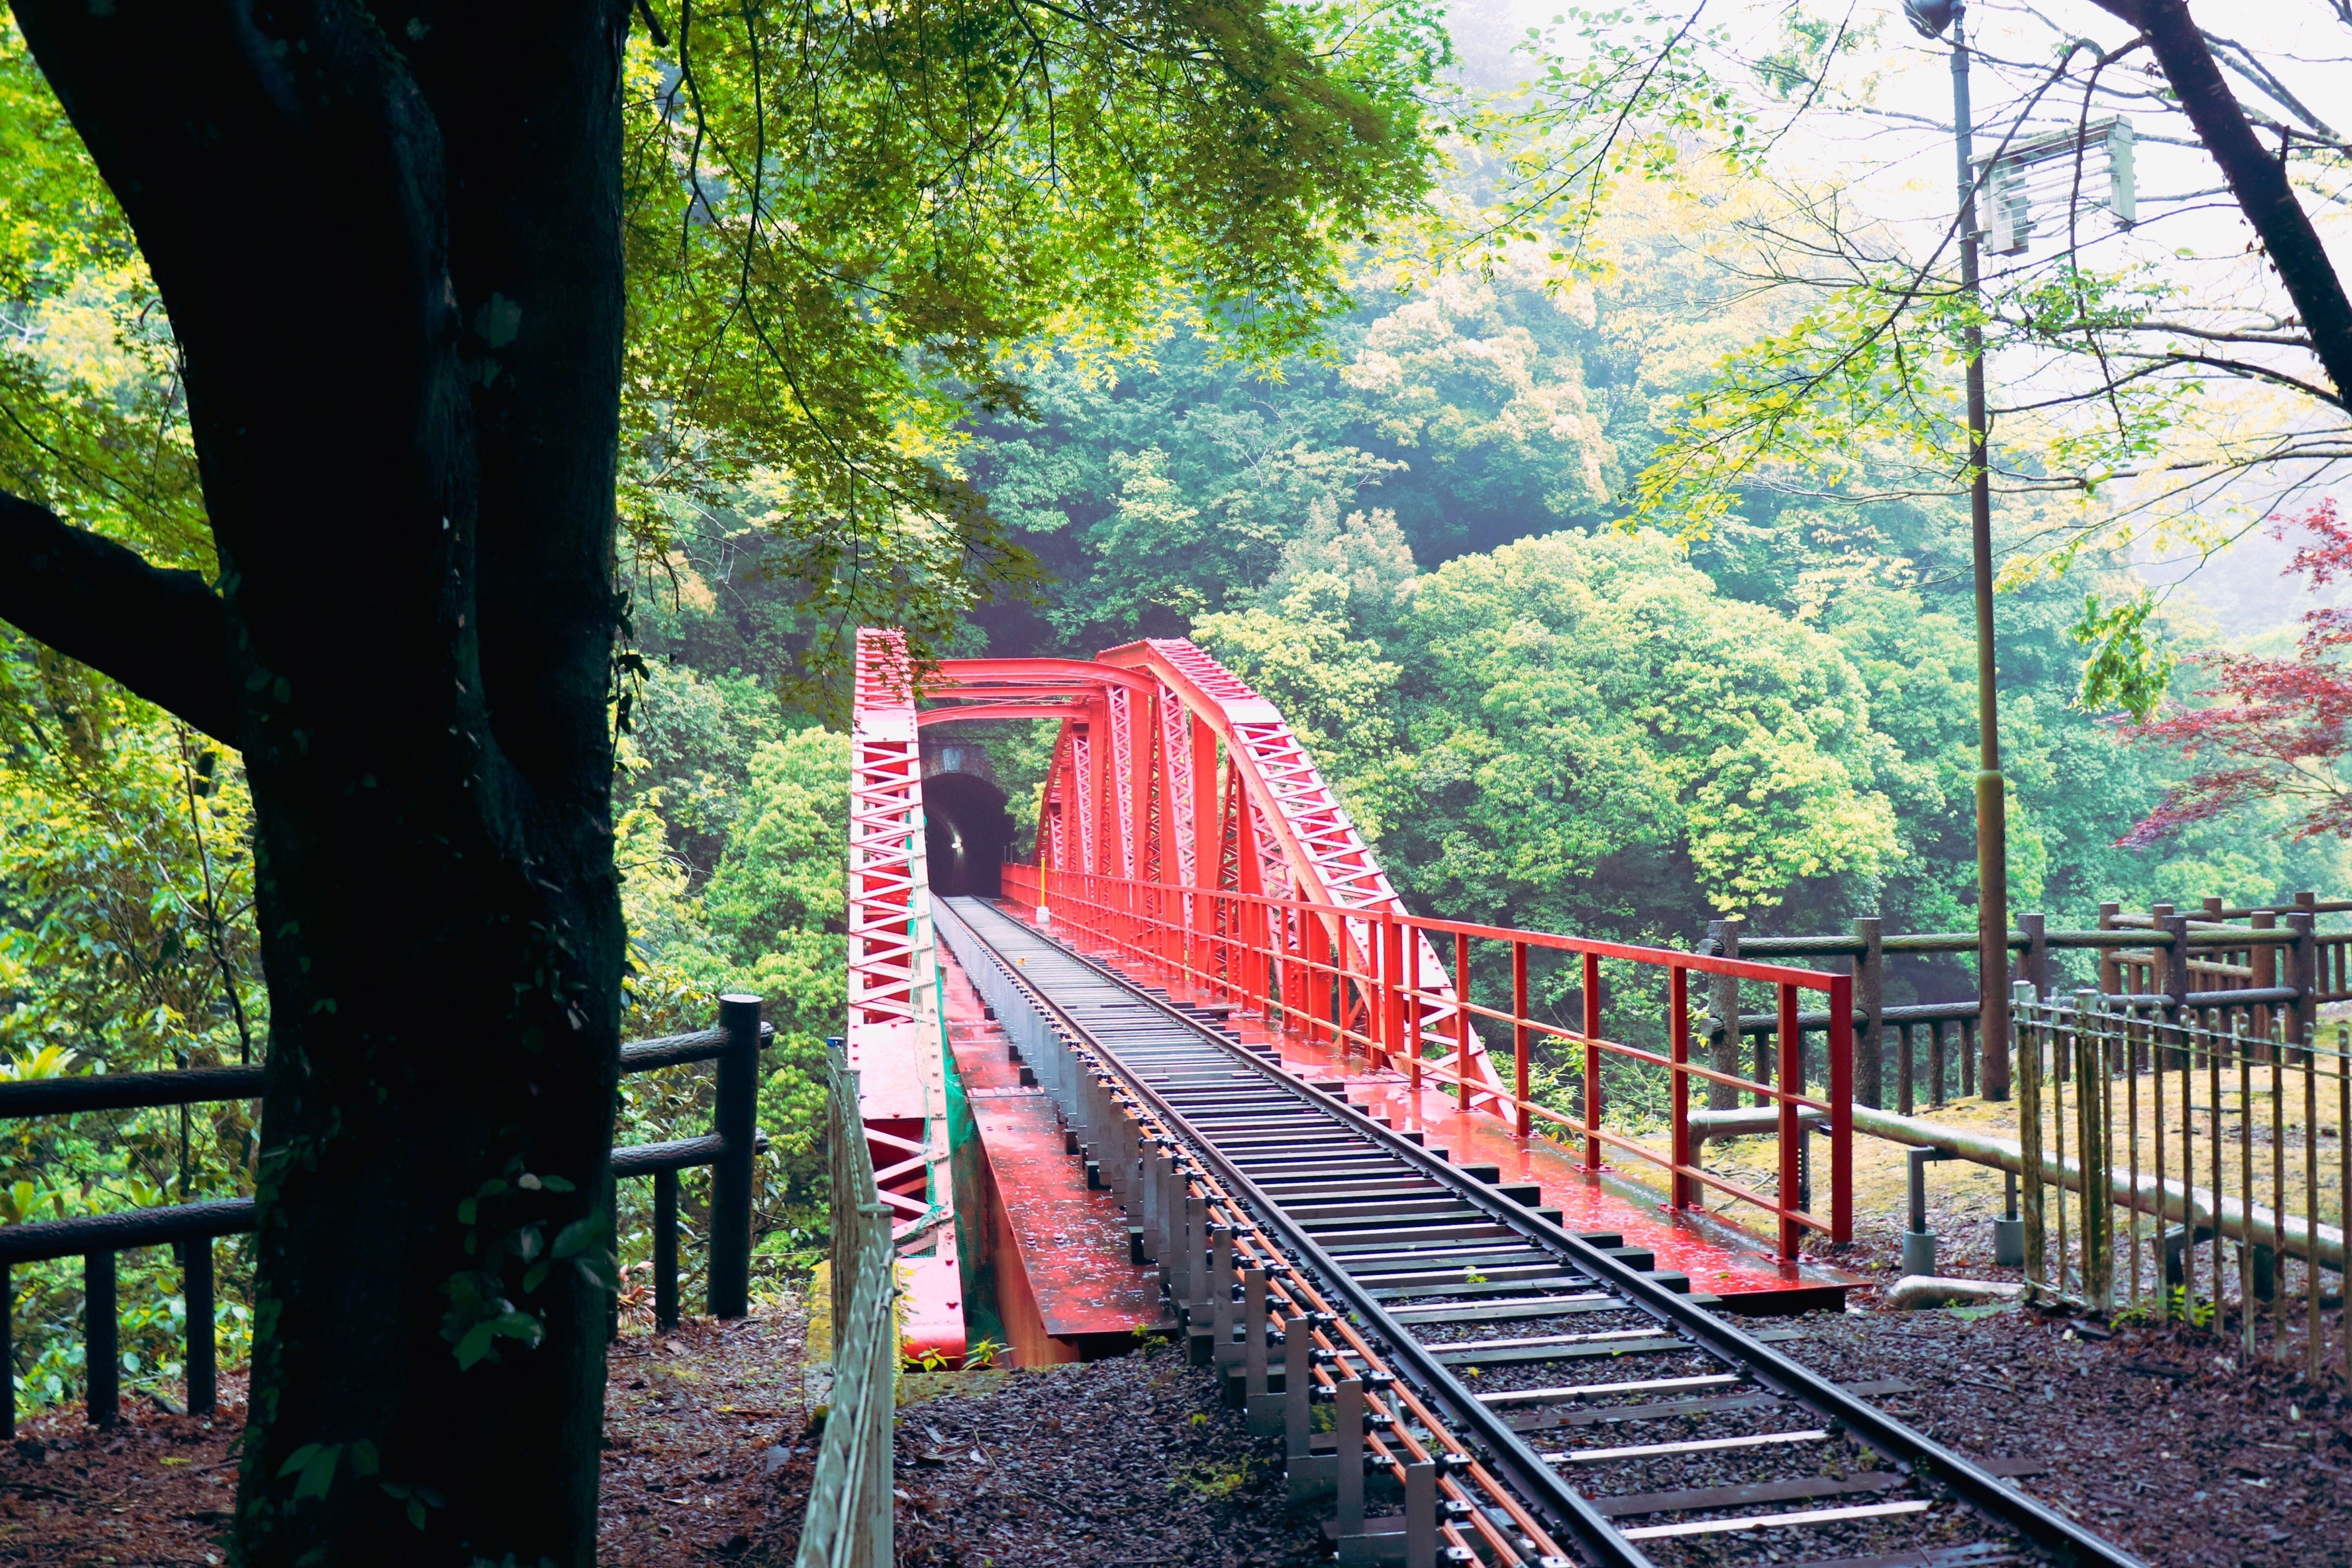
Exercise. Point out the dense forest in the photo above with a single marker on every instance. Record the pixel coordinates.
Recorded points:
(1417, 535)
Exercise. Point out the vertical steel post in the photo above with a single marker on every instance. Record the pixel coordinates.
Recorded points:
(1207, 845)
(203, 1349)
(103, 1352)
(1792, 1130)
(734, 1117)
(1348, 1429)
(1420, 1514)
(1220, 1295)
(1680, 1188)
(1409, 1002)
(1297, 1384)
(1462, 1018)
(1840, 1049)
(665, 1250)
(1592, 1022)
(1317, 939)
(1391, 1027)
(1253, 1331)
(1525, 1119)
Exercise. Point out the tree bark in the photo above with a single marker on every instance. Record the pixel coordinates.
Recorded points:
(389, 243)
(2257, 177)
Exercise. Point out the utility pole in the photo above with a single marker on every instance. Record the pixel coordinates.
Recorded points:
(1933, 18)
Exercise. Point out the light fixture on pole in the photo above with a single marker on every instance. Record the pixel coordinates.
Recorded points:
(1934, 18)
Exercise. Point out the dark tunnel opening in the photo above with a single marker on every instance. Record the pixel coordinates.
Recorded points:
(965, 832)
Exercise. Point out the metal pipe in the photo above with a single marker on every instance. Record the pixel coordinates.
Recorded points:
(2004, 1154)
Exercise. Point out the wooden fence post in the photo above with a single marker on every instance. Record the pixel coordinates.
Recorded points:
(2111, 971)
(1870, 994)
(2034, 967)
(2032, 1032)
(1724, 932)
(196, 1293)
(2305, 958)
(734, 1117)
(665, 1249)
(2176, 957)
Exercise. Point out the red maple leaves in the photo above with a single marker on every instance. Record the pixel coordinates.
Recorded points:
(2274, 728)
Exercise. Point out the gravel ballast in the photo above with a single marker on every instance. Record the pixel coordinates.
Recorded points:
(2158, 1440)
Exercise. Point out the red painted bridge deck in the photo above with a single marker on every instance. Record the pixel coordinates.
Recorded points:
(1065, 1288)
(1717, 1257)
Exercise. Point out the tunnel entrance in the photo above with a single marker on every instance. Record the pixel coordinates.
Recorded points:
(965, 831)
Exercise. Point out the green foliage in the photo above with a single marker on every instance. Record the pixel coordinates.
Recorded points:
(2127, 667)
(841, 222)
(126, 944)
(738, 887)
(1600, 738)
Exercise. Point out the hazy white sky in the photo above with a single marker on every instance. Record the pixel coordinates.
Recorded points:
(1899, 163)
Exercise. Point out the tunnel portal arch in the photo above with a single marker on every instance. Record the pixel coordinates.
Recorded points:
(966, 831)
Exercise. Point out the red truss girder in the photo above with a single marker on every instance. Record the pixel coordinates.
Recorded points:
(895, 1041)
(1135, 791)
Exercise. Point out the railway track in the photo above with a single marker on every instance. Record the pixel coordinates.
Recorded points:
(1465, 1380)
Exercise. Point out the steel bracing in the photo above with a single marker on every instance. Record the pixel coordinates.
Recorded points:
(895, 1045)
(1169, 769)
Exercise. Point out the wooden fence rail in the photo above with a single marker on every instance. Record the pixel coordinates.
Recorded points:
(2274, 962)
(730, 1147)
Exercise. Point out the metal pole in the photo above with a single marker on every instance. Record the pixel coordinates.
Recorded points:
(1992, 823)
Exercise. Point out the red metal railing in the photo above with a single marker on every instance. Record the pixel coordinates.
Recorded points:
(1352, 978)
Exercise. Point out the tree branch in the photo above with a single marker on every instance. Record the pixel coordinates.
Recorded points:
(163, 634)
(2258, 179)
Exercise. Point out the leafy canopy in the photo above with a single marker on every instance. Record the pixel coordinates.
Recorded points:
(846, 222)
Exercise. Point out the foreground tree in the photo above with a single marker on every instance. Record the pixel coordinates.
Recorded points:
(390, 244)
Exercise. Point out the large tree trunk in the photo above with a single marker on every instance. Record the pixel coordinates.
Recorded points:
(389, 243)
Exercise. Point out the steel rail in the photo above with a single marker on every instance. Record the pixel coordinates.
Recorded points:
(1913, 1453)
(1538, 1547)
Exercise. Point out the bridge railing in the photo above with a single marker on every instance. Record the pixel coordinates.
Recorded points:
(849, 1523)
(193, 1228)
(1350, 979)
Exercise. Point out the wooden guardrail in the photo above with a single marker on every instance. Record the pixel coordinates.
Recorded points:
(2277, 963)
(729, 1148)
(850, 1520)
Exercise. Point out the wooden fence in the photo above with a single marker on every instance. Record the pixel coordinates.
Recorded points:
(850, 1519)
(729, 1148)
(2274, 962)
